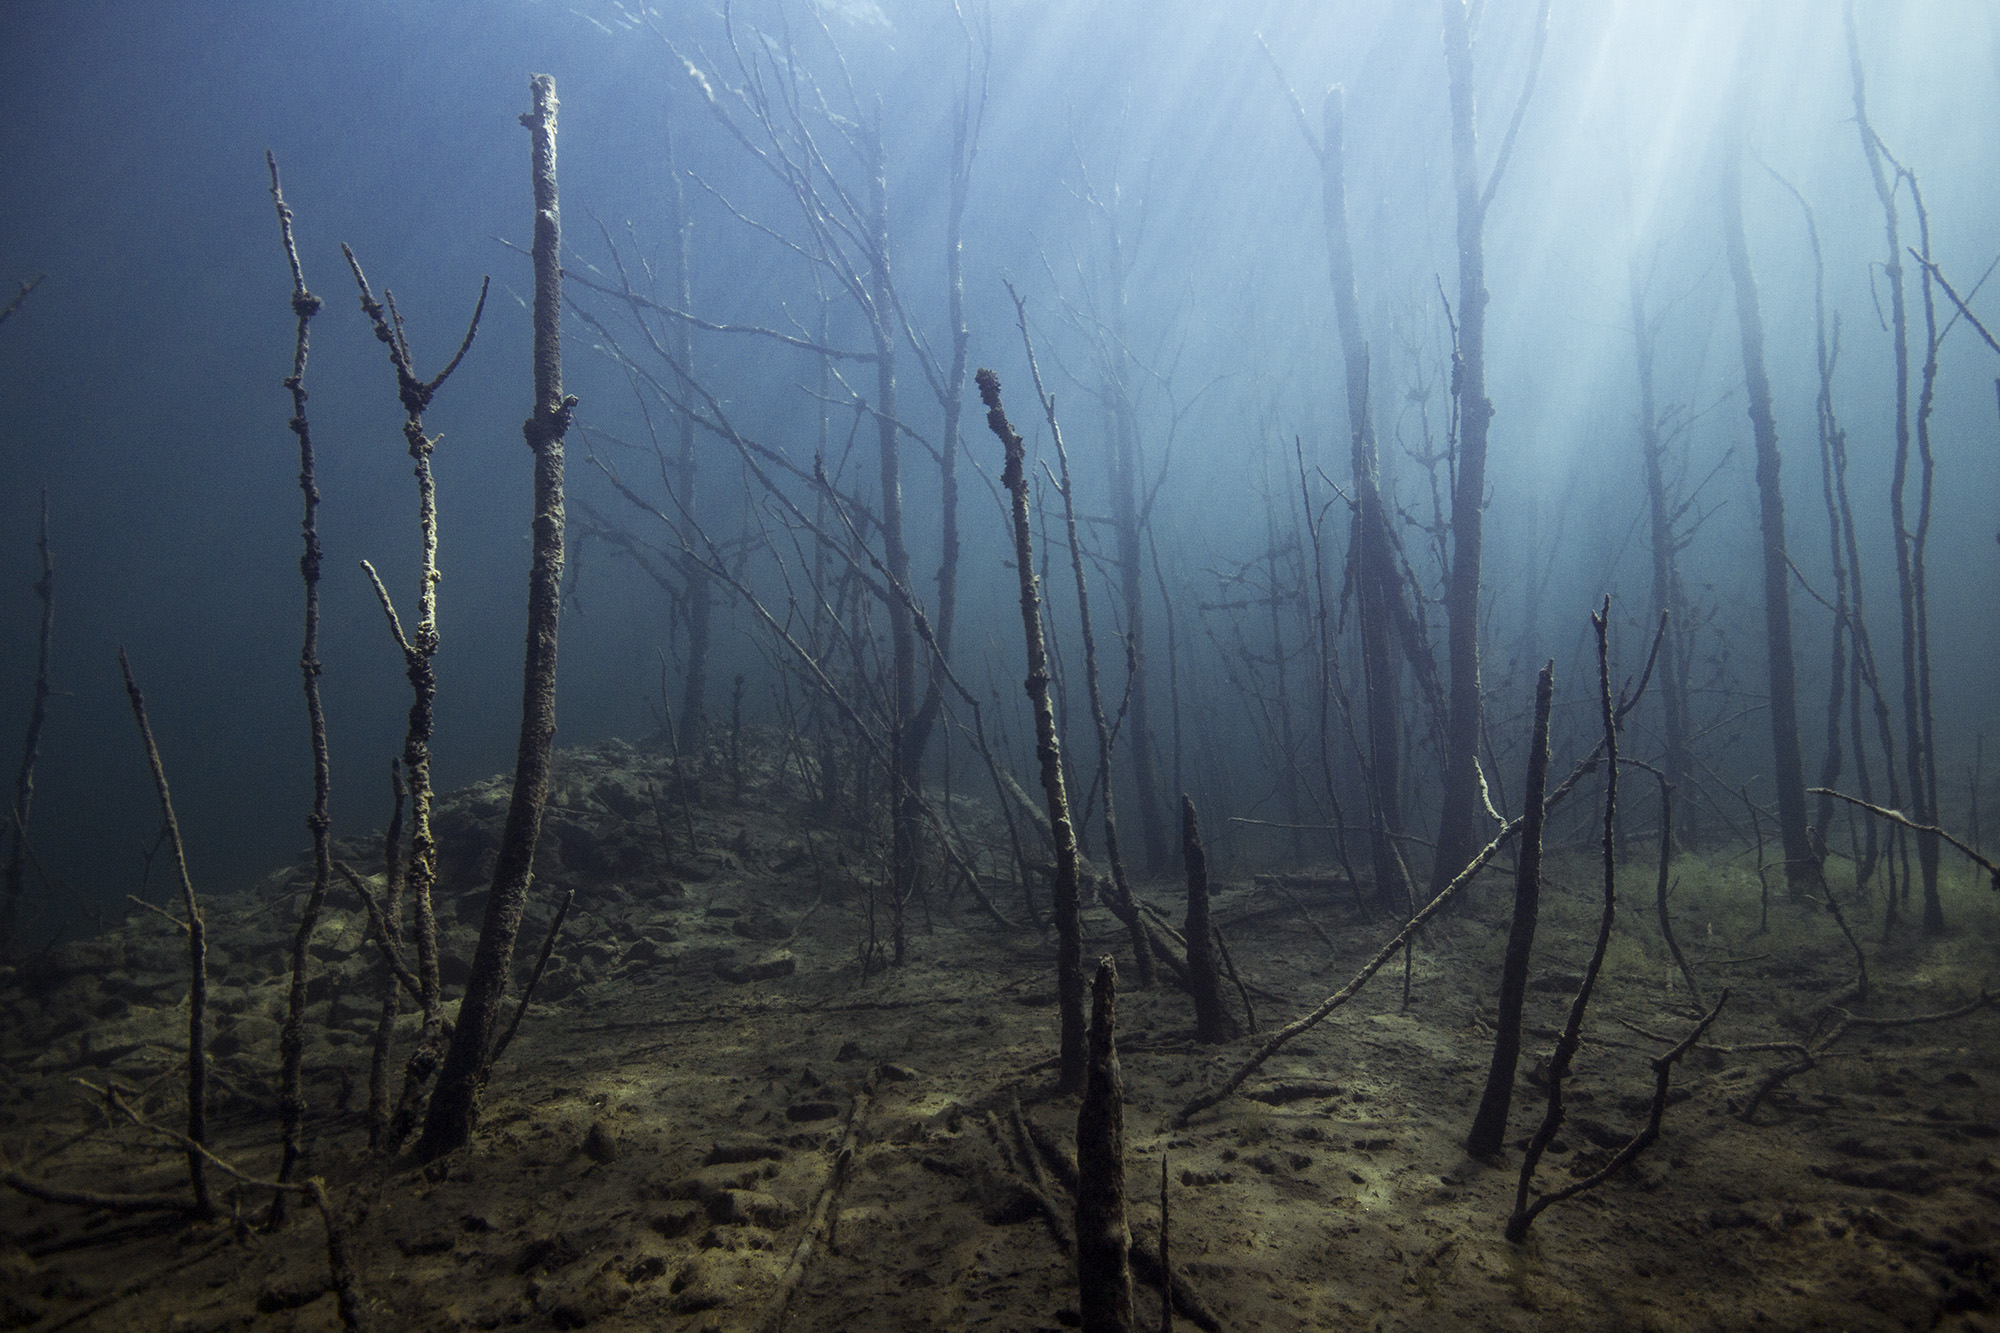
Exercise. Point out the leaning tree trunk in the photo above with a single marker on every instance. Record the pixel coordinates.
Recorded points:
(1801, 867)
(455, 1104)
(1377, 582)
(1048, 748)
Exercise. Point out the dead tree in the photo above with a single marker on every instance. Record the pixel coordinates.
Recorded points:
(1121, 899)
(1069, 927)
(1669, 598)
(1489, 1124)
(1525, 1210)
(1211, 1019)
(389, 932)
(31, 748)
(1458, 821)
(454, 1107)
(1919, 753)
(780, 115)
(1298, 1027)
(1377, 580)
(21, 290)
(1851, 641)
(418, 647)
(1801, 865)
(698, 600)
(197, 938)
(1375, 574)
(1100, 317)
(1103, 1238)
(292, 1039)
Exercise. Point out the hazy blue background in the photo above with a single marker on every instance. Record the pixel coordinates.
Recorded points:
(141, 383)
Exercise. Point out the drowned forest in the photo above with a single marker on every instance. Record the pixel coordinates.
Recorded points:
(1257, 667)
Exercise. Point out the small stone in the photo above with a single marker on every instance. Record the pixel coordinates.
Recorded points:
(803, 1112)
(768, 968)
(598, 1143)
(674, 1222)
(742, 1150)
(889, 1073)
(752, 1208)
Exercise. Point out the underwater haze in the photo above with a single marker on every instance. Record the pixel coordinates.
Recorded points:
(1388, 342)
(142, 378)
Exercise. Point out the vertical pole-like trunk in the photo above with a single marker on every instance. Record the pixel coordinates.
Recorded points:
(1801, 866)
(24, 778)
(906, 755)
(1457, 823)
(1920, 770)
(419, 650)
(1667, 599)
(1290, 778)
(1048, 748)
(1211, 1019)
(1489, 1125)
(951, 401)
(694, 574)
(1126, 523)
(1919, 610)
(1378, 585)
(455, 1104)
(292, 1038)
(1103, 1238)
(1833, 492)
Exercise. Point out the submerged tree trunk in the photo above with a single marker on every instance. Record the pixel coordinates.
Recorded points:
(1048, 748)
(1457, 831)
(455, 1104)
(694, 575)
(1103, 1238)
(24, 778)
(1378, 584)
(1211, 1020)
(1801, 866)
(1920, 762)
(907, 758)
(1667, 598)
(1458, 835)
(1127, 522)
(1489, 1124)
